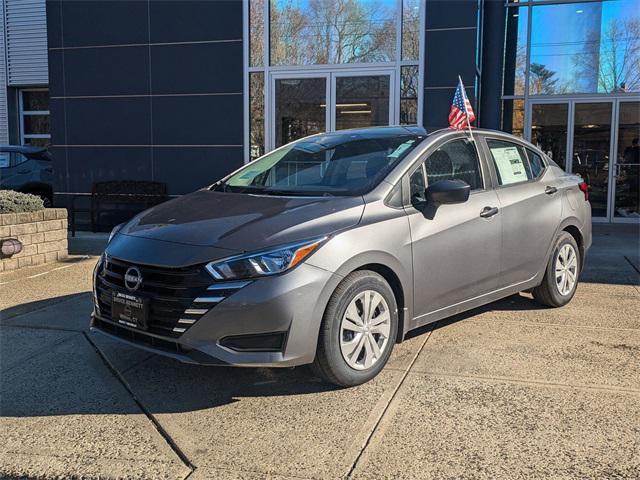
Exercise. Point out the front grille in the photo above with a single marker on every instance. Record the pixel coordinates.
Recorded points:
(140, 337)
(178, 296)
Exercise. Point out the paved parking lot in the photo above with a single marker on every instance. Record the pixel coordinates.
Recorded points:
(511, 390)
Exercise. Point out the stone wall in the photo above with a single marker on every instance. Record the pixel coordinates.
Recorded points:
(43, 235)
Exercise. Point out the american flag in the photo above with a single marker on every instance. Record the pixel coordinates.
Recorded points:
(460, 109)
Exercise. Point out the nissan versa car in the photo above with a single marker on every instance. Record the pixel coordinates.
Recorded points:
(330, 249)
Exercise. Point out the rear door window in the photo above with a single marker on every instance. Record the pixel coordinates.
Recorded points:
(510, 162)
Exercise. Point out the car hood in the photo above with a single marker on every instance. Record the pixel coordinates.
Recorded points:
(243, 222)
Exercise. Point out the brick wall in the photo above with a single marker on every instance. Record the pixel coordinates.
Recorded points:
(43, 235)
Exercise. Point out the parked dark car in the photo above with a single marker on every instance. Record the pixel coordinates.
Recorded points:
(330, 249)
(27, 170)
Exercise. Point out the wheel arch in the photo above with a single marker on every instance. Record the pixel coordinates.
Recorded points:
(398, 292)
(574, 231)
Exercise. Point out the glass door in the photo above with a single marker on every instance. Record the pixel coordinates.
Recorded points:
(591, 147)
(299, 107)
(362, 100)
(626, 169)
(308, 103)
(549, 129)
(602, 136)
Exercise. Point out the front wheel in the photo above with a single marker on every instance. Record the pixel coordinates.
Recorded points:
(358, 330)
(561, 277)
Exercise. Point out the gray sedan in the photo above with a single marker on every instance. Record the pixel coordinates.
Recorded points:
(330, 249)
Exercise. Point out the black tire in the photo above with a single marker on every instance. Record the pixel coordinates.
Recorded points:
(329, 363)
(548, 293)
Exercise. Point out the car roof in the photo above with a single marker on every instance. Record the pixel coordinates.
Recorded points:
(22, 149)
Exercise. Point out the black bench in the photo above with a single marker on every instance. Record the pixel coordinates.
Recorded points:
(118, 199)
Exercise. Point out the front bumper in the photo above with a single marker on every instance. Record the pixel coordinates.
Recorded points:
(291, 304)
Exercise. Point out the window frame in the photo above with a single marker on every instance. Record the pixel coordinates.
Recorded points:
(485, 174)
(545, 164)
(347, 68)
(493, 168)
(22, 113)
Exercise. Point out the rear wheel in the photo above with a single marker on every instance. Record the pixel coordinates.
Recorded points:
(561, 277)
(358, 330)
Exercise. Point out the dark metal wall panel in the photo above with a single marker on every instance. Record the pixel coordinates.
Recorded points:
(170, 74)
(192, 21)
(206, 164)
(103, 23)
(493, 44)
(451, 32)
(106, 71)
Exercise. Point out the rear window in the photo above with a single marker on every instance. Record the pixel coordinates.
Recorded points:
(536, 162)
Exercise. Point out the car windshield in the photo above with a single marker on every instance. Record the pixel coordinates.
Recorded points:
(332, 164)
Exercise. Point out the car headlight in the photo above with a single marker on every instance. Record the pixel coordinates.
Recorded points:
(268, 262)
(115, 230)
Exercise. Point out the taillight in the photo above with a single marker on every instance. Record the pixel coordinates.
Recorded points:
(585, 189)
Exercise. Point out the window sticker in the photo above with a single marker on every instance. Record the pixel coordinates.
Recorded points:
(509, 164)
(401, 149)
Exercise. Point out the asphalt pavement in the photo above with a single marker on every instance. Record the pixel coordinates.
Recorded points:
(510, 390)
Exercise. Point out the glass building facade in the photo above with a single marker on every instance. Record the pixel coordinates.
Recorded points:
(324, 65)
(571, 85)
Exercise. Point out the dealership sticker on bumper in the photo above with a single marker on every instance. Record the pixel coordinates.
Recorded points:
(129, 310)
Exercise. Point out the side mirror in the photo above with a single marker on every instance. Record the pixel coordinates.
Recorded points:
(446, 192)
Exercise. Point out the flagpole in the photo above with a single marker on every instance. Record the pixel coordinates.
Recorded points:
(466, 113)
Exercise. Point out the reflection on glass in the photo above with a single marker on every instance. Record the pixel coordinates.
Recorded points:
(300, 108)
(305, 32)
(256, 33)
(35, 100)
(36, 124)
(627, 201)
(515, 57)
(585, 48)
(549, 130)
(362, 101)
(410, 29)
(591, 142)
(513, 117)
(409, 95)
(256, 115)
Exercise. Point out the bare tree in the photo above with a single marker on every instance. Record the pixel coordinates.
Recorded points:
(333, 32)
(613, 57)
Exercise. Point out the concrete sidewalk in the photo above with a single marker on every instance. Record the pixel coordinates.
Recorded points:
(510, 390)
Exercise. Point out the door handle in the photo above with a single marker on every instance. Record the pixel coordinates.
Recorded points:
(550, 190)
(488, 212)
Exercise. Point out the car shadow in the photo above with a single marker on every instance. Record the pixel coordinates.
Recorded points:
(51, 365)
(515, 303)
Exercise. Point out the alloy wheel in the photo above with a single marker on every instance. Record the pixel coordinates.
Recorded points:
(566, 269)
(365, 330)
